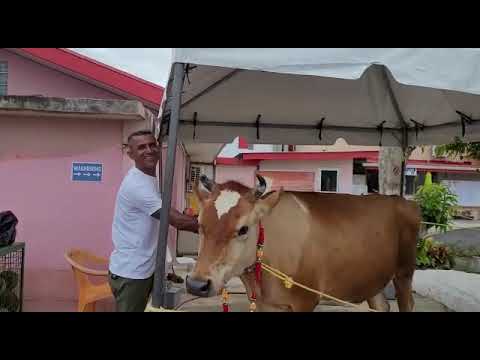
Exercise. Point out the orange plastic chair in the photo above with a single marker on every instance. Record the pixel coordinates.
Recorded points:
(83, 265)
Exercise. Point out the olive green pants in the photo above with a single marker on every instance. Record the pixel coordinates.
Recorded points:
(131, 295)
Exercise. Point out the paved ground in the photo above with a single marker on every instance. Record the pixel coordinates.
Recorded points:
(433, 289)
(458, 290)
(239, 303)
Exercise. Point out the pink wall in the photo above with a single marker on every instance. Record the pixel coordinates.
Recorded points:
(242, 174)
(26, 77)
(36, 154)
(246, 173)
(345, 168)
(55, 213)
(35, 174)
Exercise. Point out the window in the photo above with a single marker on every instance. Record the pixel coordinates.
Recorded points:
(410, 185)
(372, 182)
(358, 168)
(3, 77)
(327, 180)
(194, 175)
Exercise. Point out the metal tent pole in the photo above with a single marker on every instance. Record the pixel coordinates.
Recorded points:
(160, 161)
(159, 284)
(404, 160)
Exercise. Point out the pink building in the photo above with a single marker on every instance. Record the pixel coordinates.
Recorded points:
(353, 172)
(58, 108)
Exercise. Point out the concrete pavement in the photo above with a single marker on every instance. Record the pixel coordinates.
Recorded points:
(458, 290)
(239, 302)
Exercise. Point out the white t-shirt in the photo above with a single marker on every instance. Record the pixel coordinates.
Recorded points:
(134, 230)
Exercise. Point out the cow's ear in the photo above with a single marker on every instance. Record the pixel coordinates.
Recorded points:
(267, 202)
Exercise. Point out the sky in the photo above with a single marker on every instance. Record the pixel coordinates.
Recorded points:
(152, 64)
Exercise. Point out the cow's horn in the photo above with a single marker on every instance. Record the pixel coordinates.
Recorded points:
(207, 183)
(261, 187)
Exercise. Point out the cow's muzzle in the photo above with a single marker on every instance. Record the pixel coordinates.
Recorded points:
(198, 287)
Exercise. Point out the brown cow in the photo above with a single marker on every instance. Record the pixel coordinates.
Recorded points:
(344, 245)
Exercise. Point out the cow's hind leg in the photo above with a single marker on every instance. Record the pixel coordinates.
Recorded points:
(403, 288)
(379, 302)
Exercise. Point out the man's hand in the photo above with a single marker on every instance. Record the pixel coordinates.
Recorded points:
(183, 222)
(180, 221)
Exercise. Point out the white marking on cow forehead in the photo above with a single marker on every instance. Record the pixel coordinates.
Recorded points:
(225, 201)
(301, 204)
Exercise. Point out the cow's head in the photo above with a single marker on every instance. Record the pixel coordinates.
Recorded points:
(228, 218)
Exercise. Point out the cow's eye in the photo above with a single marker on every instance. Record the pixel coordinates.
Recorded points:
(243, 230)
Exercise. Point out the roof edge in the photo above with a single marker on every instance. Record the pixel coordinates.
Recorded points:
(95, 72)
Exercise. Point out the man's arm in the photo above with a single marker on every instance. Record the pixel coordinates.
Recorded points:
(180, 221)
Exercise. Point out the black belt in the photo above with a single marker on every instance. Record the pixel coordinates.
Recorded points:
(113, 276)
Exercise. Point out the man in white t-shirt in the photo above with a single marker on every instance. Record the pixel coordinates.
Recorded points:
(136, 224)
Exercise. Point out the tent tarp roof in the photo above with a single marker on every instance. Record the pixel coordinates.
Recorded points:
(290, 91)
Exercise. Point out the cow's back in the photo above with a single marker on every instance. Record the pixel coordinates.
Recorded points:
(346, 245)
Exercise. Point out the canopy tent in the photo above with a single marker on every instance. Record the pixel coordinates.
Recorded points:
(355, 91)
(389, 97)
(203, 152)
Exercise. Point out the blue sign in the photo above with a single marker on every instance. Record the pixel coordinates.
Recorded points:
(87, 172)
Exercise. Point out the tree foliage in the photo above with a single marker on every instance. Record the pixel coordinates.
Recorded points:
(459, 148)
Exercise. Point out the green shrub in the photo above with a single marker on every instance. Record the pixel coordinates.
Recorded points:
(437, 203)
(433, 255)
